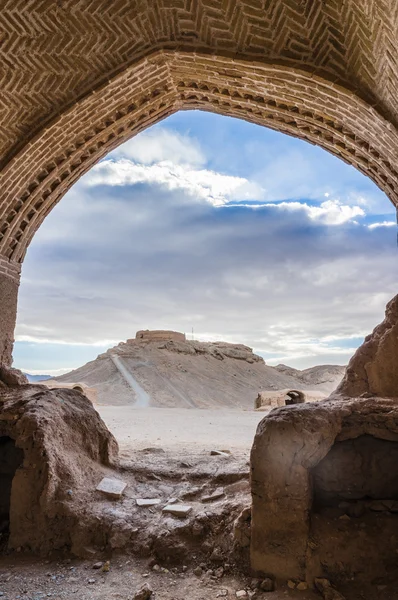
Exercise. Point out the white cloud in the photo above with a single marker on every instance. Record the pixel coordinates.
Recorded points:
(216, 188)
(203, 184)
(330, 212)
(34, 339)
(382, 224)
(158, 145)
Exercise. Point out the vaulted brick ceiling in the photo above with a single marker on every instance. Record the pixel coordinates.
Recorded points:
(75, 74)
(54, 51)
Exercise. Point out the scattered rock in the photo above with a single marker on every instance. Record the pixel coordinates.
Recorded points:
(113, 488)
(218, 493)
(178, 510)
(209, 573)
(303, 585)
(222, 593)
(217, 555)
(291, 584)
(328, 592)
(147, 501)
(219, 572)
(143, 593)
(241, 594)
(12, 377)
(191, 493)
(242, 528)
(106, 566)
(97, 565)
(255, 583)
(219, 453)
(198, 571)
(267, 585)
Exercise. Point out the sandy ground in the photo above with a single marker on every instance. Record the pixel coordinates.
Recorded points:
(180, 430)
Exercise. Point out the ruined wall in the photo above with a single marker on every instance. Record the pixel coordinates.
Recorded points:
(89, 392)
(307, 448)
(374, 367)
(66, 449)
(159, 335)
(9, 284)
(273, 399)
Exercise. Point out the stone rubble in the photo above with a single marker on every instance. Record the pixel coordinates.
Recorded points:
(216, 495)
(144, 593)
(328, 592)
(144, 502)
(177, 510)
(113, 488)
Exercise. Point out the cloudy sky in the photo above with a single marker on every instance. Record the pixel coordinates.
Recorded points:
(210, 223)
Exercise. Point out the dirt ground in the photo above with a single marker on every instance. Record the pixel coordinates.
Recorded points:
(30, 578)
(166, 453)
(24, 578)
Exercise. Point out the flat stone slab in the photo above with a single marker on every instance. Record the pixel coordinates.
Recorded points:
(178, 510)
(216, 495)
(113, 488)
(147, 501)
(219, 453)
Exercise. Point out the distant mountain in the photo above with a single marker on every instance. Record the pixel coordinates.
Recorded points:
(323, 377)
(36, 378)
(164, 369)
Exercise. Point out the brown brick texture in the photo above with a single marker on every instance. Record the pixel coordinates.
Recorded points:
(79, 77)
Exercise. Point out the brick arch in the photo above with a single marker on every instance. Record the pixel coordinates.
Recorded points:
(276, 96)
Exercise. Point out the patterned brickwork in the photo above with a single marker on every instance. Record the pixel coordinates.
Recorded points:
(53, 52)
(10, 269)
(280, 97)
(78, 77)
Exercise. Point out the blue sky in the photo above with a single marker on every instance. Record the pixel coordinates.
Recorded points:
(203, 221)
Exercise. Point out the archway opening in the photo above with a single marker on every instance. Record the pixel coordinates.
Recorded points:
(209, 271)
(294, 397)
(11, 458)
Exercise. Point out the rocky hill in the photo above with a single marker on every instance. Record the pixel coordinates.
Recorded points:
(322, 377)
(164, 369)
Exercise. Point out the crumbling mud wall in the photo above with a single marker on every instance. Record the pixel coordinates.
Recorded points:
(323, 503)
(271, 399)
(373, 369)
(66, 448)
(89, 392)
(147, 335)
